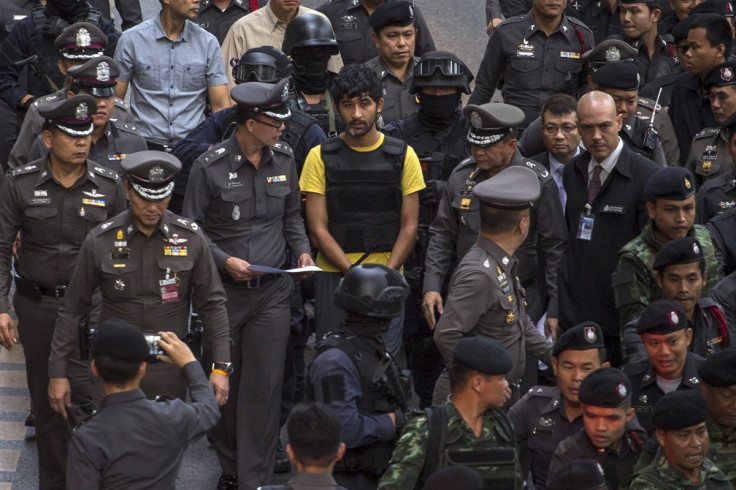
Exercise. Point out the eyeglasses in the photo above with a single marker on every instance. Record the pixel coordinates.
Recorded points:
(274, 126)
(447, 67)
(603, 127)
(552, 130)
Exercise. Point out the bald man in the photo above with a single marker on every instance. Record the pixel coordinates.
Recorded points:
(605, 209)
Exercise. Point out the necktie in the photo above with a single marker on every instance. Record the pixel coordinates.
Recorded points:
(594, 186)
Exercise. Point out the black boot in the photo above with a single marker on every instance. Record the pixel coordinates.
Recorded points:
(228, 482)
(282, 460)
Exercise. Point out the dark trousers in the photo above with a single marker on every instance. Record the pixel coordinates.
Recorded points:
(245, 438)
(8, 132)
(37, 319)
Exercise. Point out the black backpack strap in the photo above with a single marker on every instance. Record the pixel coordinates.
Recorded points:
(436, 439)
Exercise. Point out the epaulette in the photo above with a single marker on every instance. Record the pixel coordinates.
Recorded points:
(211, 156)
(648, 103)
(512, 20)
(707, 302)
(122, 104)
(541, 172)
(125, 126)
(707, 132)
(86, 419)
(43, 100)
(468, 161)
(283, 147)
(542, 391)
(113, 224)
(105, 172)
(579, 23)
(25, 169)
(185, 223)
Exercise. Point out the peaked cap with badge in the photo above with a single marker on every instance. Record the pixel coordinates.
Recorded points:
(73, 116)
(619, 75)
(584, 336)
(513, 188)
(605, 387)
(81, 41)
(609, 51)
(674, 183)
(685, 250)
(97, 77)
(264, 98)
(662, 317)
(398, 13)
(151, 173)
(720, 75)
(492, 121)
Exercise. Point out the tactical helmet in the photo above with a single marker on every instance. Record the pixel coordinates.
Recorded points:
(440, 69)
(263, 64)
(372, 290)
(309, 30)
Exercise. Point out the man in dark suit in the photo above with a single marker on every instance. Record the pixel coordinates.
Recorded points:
(605, 209)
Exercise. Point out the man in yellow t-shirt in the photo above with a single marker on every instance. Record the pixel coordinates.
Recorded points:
(362, 193)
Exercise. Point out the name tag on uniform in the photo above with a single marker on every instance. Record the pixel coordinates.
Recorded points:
(169, 293)
(234, 183)
(41, 200)
(613, 209)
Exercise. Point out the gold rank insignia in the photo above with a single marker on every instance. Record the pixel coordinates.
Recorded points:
(511, 299)
(498, 269)
(706, 168)
(119, 236)
(465, 203)
(510, 318)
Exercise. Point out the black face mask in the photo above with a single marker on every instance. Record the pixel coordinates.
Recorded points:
(310, 73)
(439, 107)
(70, 9)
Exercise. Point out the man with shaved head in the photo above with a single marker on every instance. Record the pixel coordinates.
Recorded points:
(605, 209)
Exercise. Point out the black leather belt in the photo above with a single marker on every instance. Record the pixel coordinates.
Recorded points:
(32, 290)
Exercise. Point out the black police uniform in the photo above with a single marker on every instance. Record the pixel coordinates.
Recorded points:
(722, 229)
(217, 22)
(715, 196)
(690, 111)
(663, 63)
(597, 15)
(349, 20)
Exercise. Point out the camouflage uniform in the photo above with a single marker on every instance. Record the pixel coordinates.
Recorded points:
(722, 449)
(661, 475)
(407, 461)
(635, 282)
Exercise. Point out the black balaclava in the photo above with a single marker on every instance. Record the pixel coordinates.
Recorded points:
(310, 71)
(438, 110)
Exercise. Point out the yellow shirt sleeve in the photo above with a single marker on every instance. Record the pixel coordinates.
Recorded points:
(412, 180)
(313, 173)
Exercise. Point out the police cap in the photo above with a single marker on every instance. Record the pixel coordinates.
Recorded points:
(73, 116)
(397, 13)
(679, 409)
(673, 183)
(513, 188)
(685, 250)
(454, 477)
(619, 75)
(264, 98)
(720, 75)
(582, 474)
(584, 336)
(609, 51)
(719, 369)
(97, 77)
(492, 121)
(151, 173)
(81, 41)
(662, 317)
(605, 387)
(483, 354)
(118, 339)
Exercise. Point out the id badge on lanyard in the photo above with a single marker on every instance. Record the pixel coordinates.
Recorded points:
(586, 224)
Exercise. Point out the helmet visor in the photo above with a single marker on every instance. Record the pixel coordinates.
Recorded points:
(448, 67)
(247, 72)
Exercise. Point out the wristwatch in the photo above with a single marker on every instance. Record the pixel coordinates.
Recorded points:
(225, 368)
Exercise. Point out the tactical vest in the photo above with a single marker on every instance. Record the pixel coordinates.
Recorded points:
(364, 194)
(296, 126)
(439, 152)
(377, 399)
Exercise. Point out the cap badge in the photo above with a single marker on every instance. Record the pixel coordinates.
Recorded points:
(476, 120)
(726, 73)
(621, 389)
(83, 38)
(613, 54)
(673, 318)
(590, 334)
(285, 93)
(103, 72)
(696, 249)
(411, 12)
(81, 112)
(156, 174)
(688, 185)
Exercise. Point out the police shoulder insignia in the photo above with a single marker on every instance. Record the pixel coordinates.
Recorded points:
(106, 172)
(283, 148)
(121, 103)
(708, 132)
(187, 223)
(214, 155)
(25, 169)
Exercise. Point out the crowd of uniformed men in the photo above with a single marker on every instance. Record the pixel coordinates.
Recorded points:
(578, 223)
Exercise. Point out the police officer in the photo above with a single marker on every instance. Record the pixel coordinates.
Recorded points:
(492, 138)
(112, 140)
(717, 382)
(469, 429)
(148, 263)
(355, 374)
(437, 133)
(54, 203)
(546, 415)
(680, 419)
(490, 266)
(671, 207)
(78, 44)
(350, 20)
(536, 55)
(665, 331)
(244, 192)
(709, 156)
(718, 195)
(610, 434)
(217, 16)
(601, 17)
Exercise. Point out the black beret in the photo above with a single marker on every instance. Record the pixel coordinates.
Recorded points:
(679, 409)
(610, 51)
(455, 477)
(485, 355)
(674, 183)
(492, 121)
(584, 336)
(513, 188)
(119, 339)
(620, 75)
(583, 474)
(679, 32)
(605, 387)
(720, 75)
(684, 250)
(719, 369)
(72, 116)
(97, 77)
(662, 317)
(151, 173)
(398, 13)
(81, 41)
(264, 98)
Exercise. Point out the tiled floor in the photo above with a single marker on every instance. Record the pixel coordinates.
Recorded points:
(14, 403)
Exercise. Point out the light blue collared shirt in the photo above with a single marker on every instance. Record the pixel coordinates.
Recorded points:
(556, 168)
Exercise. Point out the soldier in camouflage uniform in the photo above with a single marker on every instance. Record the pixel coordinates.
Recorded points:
(469, 427)
(680, 418)
(671, 207)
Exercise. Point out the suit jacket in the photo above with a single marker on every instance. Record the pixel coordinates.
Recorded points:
(620, 214)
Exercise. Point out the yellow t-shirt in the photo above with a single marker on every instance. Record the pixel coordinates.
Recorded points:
(313, 180)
